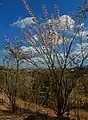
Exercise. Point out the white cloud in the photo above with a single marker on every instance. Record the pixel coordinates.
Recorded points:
(83, 45)
(80, 25)
(69, 20)
(83, 34)
(40, 59)
(61, 23)
(35, 52)
(28, 50)
(34, 39)
(23, 22)
(80, 51)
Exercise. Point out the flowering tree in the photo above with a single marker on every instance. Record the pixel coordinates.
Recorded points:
(58, 44)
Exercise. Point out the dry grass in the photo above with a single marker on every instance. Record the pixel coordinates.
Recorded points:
(9, 116)
(35, 108)
(82, 114)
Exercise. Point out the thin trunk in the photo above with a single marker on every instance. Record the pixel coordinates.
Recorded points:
(60, 103)
(13, 106)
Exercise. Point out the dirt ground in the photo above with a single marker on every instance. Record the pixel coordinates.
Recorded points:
(82, 114)
(9, 116)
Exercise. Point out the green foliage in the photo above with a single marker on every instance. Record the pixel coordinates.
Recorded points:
(2, 68)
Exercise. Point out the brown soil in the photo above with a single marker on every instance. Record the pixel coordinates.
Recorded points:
(8, 116)
(82, 114)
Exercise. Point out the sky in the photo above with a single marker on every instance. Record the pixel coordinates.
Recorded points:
(12, 10)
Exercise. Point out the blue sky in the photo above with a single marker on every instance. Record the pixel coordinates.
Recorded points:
(11, 10)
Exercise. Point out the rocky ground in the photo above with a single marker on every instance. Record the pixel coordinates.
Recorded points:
(83, 115)
(9, 116)
(36, 112)
(36, 116)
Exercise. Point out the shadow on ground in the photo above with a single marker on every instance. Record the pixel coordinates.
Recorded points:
(40, 116)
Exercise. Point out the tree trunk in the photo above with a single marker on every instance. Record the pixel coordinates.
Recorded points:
(60, 103)
(13, 107)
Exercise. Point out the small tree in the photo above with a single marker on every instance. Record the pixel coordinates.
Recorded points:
(57, 45)
(11, 75)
